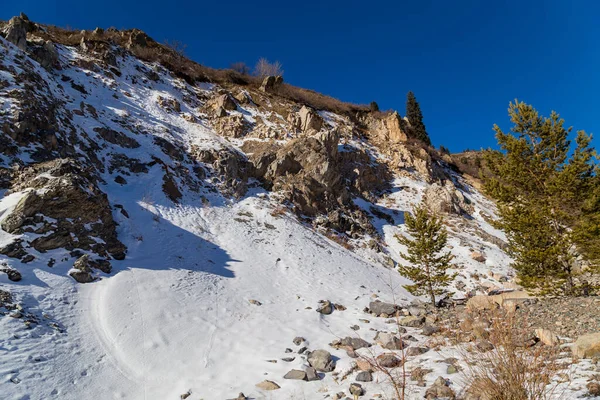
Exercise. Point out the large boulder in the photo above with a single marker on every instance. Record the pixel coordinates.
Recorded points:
(321, 360)
(587, 346)
(16, 31)
(393, 128)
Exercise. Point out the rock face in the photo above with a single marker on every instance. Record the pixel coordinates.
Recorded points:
(16, 32)
(587, 346)
(321, 361)
(271, 83)
(393, 128)
(66, 208)
(306, 120)
(445, 199)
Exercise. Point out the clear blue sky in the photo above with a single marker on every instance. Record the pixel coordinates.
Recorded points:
(464, 60)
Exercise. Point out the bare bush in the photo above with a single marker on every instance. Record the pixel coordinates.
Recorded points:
(515, 369)
(240, 68)
(265, 68)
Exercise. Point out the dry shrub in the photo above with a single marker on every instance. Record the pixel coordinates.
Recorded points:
(340, 239)
(516, 369)
(319, 101)
(265, 68)
(279, 211)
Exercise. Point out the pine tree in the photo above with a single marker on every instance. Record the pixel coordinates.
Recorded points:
(547, 196)
(428, 267)
(415, 117)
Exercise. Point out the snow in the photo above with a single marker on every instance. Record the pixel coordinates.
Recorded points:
(175, 314)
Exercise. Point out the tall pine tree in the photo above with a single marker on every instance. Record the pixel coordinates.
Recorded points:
(415, 117)
(428, 267)
(547, 196)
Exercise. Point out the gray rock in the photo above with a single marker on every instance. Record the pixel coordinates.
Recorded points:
(429, 330)
(417, 310)
(295, 374)
(321, 360)
(355, 343)
(379, 307)
(16, 32)
(268, 385)
(311, 374)
(439, 390)
(364, 376)
(226, 102)
(388, 360)
(298, 340)
(416, 351)
(412, 321)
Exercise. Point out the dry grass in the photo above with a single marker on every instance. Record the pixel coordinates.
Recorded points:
(515, 369)
(319, 101)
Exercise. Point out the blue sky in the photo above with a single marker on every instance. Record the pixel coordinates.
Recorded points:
(464, 60)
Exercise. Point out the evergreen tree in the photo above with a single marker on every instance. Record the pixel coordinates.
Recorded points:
(547, 196)
(428, 267)
(415, 117)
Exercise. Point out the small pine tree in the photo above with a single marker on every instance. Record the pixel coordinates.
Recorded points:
(415, 117)
(429, 266)
(374, 106)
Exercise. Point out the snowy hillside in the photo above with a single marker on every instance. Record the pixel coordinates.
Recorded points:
(204, 274)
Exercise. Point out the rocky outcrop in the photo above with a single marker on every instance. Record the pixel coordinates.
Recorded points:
(271, 83)
(446, 199)
(306, 120)
(64, 206)
(230, 167)
(84, 267)
(16, 31)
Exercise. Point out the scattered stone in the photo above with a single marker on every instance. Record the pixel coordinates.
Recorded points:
(226, 102)
(267, 385)
(186, 395)
(355, 343)
(364, 365)
(379, 307)
(429, 330)
(416, 351)
(412, 321)
(295, 374)
(298, 340)
(288, 359)
(255, 302)
(477, 256)
(355, 327)
(388, 360)
(288, 350)
(12, 274)
(451, 369)
(302, 349)
(356, 389)
(439, 390)
(364, 376)
(325, 307)
(321, 360)
(484, 346)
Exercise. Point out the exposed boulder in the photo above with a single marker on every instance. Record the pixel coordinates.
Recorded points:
(325, 307)
(271, 83)
(16, 31)
(446, 199)
(388, 360)
(379, 308)
(268, 385)
(356, 390)
(306, 120)
(439, 390)
(46, 54)
(547, 337)
(364, 376)
(393, 128)
(296, 374)
(477, 256)
(354, 343)
(12, 274)
(587, 346)
(321, 360)
(226, 102)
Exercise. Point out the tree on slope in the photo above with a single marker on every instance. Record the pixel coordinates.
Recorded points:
(415, 117)
(547, 196)
(428, 265)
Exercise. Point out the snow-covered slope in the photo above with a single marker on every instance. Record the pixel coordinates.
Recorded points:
(175, 315)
